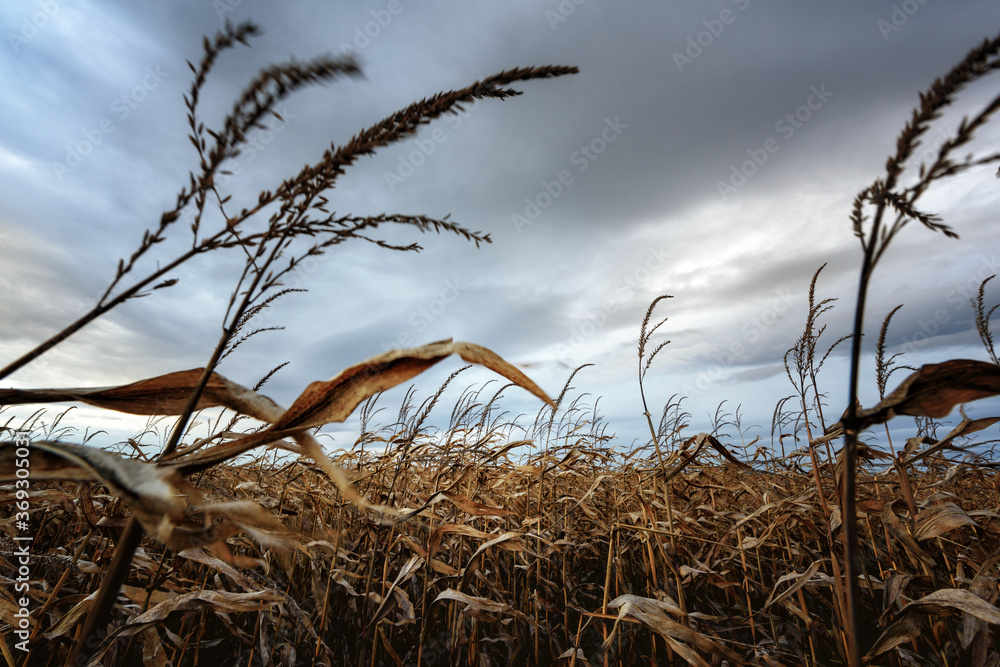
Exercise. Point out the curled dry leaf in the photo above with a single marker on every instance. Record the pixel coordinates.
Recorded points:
(71, 617)
(153, 652)
(218, 601)
(334, 400)
(719, 447)
(402, 599)
(940, 519)
(155, 494)
(665, 605)
(895, 584)
(464, 503)
(455, 529)
(933, 391)
(800, 581)
(899, 531)
(943, 601)
(509, 541)
(199, 555)
(321, 403)
(688, 643)
(149, 490)
(162, 395)
(965, 427)
(478, 606)
(700, 441)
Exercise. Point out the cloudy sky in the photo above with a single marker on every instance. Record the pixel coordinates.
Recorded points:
(706, 150)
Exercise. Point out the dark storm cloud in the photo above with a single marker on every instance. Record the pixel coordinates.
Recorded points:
(600, 190)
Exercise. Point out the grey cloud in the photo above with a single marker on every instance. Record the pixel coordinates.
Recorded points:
(655, 185)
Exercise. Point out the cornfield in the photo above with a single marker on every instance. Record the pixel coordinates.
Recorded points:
(253, 545)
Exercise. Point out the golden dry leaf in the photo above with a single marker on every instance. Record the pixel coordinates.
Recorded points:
(71, 617)
(899, 531)
(801, 580)
(161, 395)
(971, 426)
(338, 578)
(574, 656)
(217, 601)
(477, 605)
(141, 595)
(652, 614)
(335, 399)
(387, 646)
(935, 389)
(454, 528)
(940, 519)
(509, 541)
(402, 599)
(199, 555)
(149, 490)
(965, 427)
(321, 403)
(434, 564)
(466, 504)
(155, 495)
(153, 652)
(589, 492)
(664, 605)
(943, 601)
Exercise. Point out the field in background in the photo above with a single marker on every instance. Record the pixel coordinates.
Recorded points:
(580, 554)
(457, 547)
